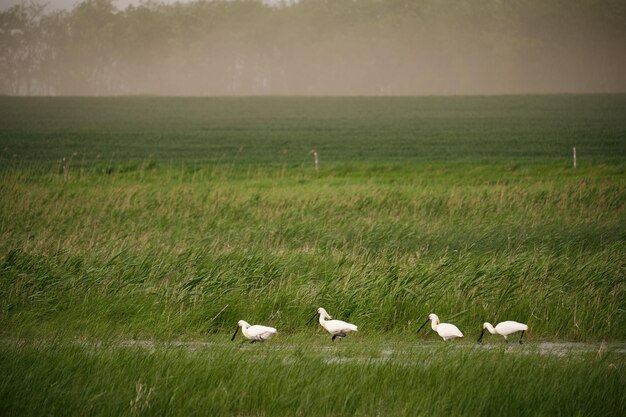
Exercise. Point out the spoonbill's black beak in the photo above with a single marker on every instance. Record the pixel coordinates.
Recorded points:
(234, 334)
(480, 339)
(427, 320)
(311, 319)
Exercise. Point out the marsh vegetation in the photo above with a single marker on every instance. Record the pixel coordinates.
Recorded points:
(172, 219)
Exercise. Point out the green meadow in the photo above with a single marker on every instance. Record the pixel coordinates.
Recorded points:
(361, 377)
(136, 231)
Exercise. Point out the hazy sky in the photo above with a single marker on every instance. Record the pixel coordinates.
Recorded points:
(120, 4)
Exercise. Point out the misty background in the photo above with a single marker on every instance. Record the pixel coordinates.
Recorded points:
(312, 47)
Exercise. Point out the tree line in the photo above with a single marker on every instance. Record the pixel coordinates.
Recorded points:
(314, 47)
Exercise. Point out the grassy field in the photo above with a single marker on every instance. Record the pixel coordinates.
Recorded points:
(171, 219)
(355, 377)
(282, 131)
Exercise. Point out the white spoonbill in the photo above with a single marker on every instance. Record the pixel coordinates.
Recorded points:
(446, 330)
(337, 328)
(256, 333)
(505, 329)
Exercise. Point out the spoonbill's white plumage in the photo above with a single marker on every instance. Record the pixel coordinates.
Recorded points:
(446, 330)
(337, 328)
(505, 329)
(256, 333)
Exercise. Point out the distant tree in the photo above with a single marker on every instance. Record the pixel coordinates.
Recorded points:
(90, 54)
(21, 48)
(371, 47)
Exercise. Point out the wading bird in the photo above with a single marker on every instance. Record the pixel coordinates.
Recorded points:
(446, 330)
(256, 333)
(505, 329)
(337, 328)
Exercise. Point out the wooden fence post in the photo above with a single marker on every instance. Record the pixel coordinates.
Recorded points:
(317, 159)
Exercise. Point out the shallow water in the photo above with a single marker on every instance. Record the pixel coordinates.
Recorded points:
(377, 352)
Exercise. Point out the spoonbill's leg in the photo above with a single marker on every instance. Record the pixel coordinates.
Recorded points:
(520, 338)
(338, 335)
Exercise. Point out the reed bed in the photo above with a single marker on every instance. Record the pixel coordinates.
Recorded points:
(189, 253)
(366, 379)
(136, 231)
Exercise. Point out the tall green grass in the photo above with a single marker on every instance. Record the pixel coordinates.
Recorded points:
(365, 379)
(171, 219)
(185, 252)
